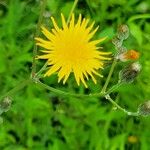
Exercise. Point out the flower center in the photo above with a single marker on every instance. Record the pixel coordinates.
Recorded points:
(73, 50)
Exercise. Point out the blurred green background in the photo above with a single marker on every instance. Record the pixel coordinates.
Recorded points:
(41, 120)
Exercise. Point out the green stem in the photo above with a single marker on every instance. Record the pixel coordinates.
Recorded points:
(72, 10)
(16, 88)
(109, 76)
(41, 70)
(36, 34)
(114, 87)
(121, 108)
(60, 92)
(106, 95)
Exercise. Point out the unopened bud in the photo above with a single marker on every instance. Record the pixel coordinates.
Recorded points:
(123, 32)
(144, 109)
(5, 105)
(129, 73)
(117, 42)
(122, 49)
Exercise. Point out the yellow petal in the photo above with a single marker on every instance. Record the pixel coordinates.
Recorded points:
(48, 34)
(79, 21)
(53, 69)
(72, 22)
(64, 24)
(83, 81)
(55, 24)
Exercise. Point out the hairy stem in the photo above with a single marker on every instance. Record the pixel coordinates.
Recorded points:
(113, 88)
(109, 76)
(41, 70)
(64, 93)
(106, 95)
(121, 108)
(43, 6)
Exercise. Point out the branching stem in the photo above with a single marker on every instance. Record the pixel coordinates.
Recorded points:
(35, 76)
(120, 108)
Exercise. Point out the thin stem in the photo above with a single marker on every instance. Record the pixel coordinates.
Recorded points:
(26, 82)
(121, 108)
(16, 88)
(72, 10)
(60, 92)
(41, 70)
(109, 76)
(114, 87)
(43, 6)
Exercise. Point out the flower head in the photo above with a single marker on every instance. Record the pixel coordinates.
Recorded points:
(130, 72)
(70, 49)
(144, 109)
(128, 55)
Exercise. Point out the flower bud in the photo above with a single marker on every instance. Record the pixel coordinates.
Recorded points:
(128, 55)
(122, 49)
(117, 42)
(5, 105)
(123, 32)
(144, 109)
(129, 73)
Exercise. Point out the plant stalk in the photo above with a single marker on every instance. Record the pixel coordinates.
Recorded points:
(121, 108)
(109, 76)
(33, 71)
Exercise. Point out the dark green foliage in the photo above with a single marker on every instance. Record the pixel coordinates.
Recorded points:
(41, 120)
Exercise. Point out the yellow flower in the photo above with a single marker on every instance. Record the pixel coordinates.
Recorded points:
(70, 49)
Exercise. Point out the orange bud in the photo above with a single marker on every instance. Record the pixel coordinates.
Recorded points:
(129, 55)
(132, 54)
